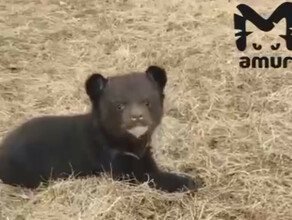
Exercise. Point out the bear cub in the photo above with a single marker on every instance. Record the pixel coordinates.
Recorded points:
(113, 138)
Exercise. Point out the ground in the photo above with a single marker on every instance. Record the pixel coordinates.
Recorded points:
(233, 126)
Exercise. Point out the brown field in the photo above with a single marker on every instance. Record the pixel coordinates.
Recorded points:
(233, 126)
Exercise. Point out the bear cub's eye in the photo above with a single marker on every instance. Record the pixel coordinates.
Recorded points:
(120, 106)
(147, 103)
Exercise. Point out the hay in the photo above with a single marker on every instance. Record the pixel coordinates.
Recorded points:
(233, 126)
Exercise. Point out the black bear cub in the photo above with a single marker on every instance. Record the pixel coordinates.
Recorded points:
(114, 137)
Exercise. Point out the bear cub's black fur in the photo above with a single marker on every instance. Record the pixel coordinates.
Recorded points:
(114, 137)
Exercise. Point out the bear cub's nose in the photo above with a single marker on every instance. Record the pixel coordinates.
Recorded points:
(136, 113)
(137, 117)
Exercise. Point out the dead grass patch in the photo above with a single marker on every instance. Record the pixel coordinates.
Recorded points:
(233, 126)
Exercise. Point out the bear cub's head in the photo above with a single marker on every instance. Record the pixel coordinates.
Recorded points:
(129, 105)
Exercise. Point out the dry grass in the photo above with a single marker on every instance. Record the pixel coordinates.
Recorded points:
(233, 126)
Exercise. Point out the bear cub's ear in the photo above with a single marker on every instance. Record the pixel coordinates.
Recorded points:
(94, 85)
(158, 75)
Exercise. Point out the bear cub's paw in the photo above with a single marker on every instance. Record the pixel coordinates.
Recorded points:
(188, 183)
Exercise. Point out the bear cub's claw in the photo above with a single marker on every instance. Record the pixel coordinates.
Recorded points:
(190, 183)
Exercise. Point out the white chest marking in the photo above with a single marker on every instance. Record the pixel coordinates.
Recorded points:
(138, 131)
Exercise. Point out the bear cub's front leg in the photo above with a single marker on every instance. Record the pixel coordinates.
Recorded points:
(145, 169)
(167, 181)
